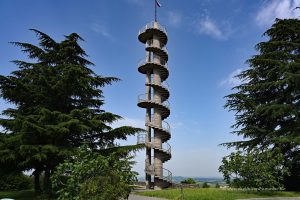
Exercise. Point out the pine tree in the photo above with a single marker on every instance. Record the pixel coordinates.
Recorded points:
(267, 104)
(58, 101)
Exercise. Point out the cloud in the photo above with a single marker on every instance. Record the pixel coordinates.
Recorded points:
(273, 9)
(207, 26)
(101, 29)
(232, 80)
(126, 121)
(174, 18)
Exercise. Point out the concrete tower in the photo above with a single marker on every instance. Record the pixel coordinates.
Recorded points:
(155, 101)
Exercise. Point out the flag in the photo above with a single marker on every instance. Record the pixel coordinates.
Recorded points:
(157, 3)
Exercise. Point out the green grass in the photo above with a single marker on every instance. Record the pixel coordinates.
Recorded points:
(216, 194)
(20, 195)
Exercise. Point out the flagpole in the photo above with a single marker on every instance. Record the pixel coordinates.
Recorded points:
(155, 5)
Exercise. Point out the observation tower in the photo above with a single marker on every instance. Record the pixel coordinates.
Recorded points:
(155, 101)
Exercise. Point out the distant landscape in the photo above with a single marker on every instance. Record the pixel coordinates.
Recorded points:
(211, 180)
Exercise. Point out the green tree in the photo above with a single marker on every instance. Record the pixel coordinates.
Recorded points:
(218, 185)
(254, 169)
(188, 181)
(205, 185)
(58, 101)
(267, 103)
(89, 175)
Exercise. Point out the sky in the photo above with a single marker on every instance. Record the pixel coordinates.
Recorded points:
(209, 42)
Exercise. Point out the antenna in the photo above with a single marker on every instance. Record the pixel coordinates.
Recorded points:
(156, 4)
(155, 11)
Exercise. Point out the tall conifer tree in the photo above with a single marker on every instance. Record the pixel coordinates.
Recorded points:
(58, 101)
(267, 104)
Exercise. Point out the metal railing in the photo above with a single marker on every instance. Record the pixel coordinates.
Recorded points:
(166, 147)
(160, 62)
(141, 138)
(165, 125)
(166, 174)
(150, 43)
(143, 98)
(153, 25)
(163, 84)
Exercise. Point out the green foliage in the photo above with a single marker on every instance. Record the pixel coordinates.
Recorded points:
(266, 104)
(217, 185)
(57, 108)
(205, 185)
(89, 175)
(188, 181)
(15, 181)
(254, 169)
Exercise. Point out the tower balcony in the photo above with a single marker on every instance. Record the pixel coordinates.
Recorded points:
(145, 102)
(158, 48)
(164, 148)
(165, 175)
(153, 28)
(165, 132)
(162, 88)
(145, 66)
(165, 126)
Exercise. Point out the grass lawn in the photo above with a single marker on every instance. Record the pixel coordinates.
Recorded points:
(20, 195)
(215, 194)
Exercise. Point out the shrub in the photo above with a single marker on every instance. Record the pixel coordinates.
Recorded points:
(89, 175)
(15, 181)
(188, 181)
(205, 185)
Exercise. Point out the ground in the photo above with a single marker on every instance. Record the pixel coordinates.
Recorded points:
(217, 194)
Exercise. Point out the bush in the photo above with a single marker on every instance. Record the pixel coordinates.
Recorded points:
(205, 185)
(89, 175)
(15, 181)
(188, 181)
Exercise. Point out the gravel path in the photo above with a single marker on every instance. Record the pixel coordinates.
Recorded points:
(136, 197)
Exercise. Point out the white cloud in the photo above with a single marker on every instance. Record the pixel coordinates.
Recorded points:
(207, 26)
(101, 29)
(273, 9)
(232, 80)
(174, 18)
(126, 121)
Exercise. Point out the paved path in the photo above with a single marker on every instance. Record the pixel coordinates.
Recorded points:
(136, 197)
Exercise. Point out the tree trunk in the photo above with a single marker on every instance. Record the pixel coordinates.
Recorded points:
(37, 185)
(47, 182)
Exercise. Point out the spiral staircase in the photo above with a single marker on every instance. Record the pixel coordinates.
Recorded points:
(155, 101)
